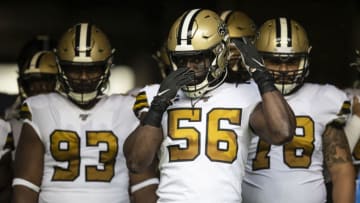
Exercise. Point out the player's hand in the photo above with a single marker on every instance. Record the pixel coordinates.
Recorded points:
(173, 82)
(167, 91)
(251, 58)
(254, 64)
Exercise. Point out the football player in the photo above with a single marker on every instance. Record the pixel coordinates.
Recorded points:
(70, 148)
(201, 132)
(28, 73)
(294, 172)
(352, 127)
(36, 74)
(239, 25)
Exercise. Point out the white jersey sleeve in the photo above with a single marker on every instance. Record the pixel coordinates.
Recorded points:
(352, 129)
(294, 172)
(6, 142)
(83, 160)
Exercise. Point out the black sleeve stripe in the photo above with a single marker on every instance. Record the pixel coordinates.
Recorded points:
(345, 108)
(25, 112)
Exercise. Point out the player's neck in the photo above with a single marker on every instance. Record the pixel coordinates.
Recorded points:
(88, 105)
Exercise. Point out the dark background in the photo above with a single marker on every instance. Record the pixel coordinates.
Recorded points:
(136, 28)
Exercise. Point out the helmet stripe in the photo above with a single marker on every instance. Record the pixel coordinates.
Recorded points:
(289, 34)
(82, 39)
(38, 59)
(178, 40)
(283, 32)
(88, 39)
(226, 16)
(186, 28)
(77, 39)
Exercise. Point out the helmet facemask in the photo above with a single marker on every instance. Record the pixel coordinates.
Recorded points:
(287, 81)
(35, 84)
(83, 89)
(208, 74)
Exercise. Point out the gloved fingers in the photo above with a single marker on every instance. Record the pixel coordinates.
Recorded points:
(186, 78)
(175, 73)
(181, 71)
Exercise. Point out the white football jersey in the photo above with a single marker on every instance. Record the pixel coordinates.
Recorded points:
(203, 154)
(355, 131)
(12, 116)
(83, 160)
(5, 132)
(294, 172)
(16, 125)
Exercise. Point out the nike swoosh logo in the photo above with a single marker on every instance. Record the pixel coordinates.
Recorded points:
(258, 62)
(163, 92)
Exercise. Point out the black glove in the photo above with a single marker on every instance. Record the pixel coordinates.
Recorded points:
(167, 91)
(254, 64)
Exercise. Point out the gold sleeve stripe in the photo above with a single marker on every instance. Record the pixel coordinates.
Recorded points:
(141, 102)
(345, 108)
(25, 112)
(141, 96)
(140, 105)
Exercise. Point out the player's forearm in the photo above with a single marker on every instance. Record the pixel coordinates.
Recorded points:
(344, 184)
(24, 195)
(145, 195)
(338, 160)
(141, 147)
(279, 120)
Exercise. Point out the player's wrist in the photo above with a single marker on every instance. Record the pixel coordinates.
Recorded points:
(156, 111)
(264, 80)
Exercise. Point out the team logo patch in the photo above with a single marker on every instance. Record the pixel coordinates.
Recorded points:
(83, 117)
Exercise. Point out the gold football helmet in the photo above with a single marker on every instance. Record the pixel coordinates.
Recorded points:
(239, 25)
(200, 35)
(84, 49)
(162, 58)
(31, 47)
(285, 40)
(38, 75)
